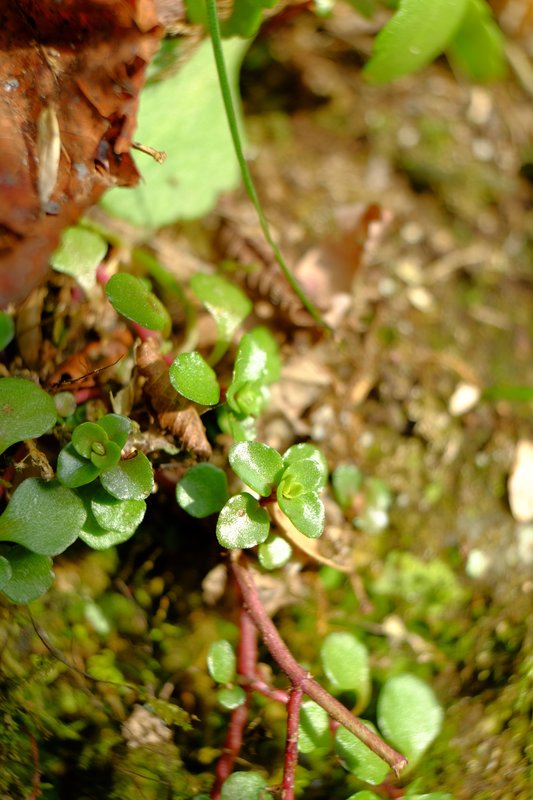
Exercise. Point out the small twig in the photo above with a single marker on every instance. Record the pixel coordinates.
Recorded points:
(36, 790)
(291, 745)
(300, 677)
(157, 155)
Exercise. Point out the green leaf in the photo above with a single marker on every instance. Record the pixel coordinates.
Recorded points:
(257, 364)
(306, 512)
(107, 459)
(117, 427)
(308, 452)
(86, 435)
(231, 698)
(259, 466)
(203, 490)
(358, 759)
(226, 303)
(99, 539)
(240, 427)
(345, 662)
(31, 575)
(300, 477)
(313, 729)
(191, 376)
(347, 480)
(43, 517)
(274, 553)
(409, 715)
(242, 522)
(221, 661)
(74, 470)
(7, 329)
(117, 515)
(131, 479)
(244, 786)
(245, 18)
(183, 114)
(79, 253)
(5, 571)
(364, 795)
(26, 411)
(130, 296)
(417, 33)
(478, 47)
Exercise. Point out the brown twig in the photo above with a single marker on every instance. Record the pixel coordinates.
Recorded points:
(300, 678)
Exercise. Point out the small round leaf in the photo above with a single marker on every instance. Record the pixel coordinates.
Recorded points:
(106, 459)
(409, 715)
(226, 303)
(78, 255)
(43, 517)
(31, 575)
(365, 795)
(131, 479)
(231, 698)
(191, 376)
(358, 759)
(74, 470)
(26, 411)
(259, 466)
(86, 435)
(345, 662)
(308, 452)
(302, 476)
(117, 515)
(242, 522)
(203, 490)
(244, 786)
(117, 427)
(221, 661)
(346, 480)
(306, 512)
(274, 553)
(313, 727)
(130, 297)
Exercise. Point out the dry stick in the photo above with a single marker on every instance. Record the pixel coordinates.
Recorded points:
(291, 745)
(300, 678)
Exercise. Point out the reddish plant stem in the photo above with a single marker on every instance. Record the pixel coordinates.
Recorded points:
(259, 685)
(246, 665)
(291, 745)
(300, 678)
(36, 782)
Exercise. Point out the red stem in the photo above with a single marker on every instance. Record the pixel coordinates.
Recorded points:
(300, 678)
(291, 744)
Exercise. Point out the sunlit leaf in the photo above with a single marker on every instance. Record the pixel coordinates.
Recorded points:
(274, 553)
(478, 47)
(191, 376)
(231, 698)
(31, 575)
(43, 517)
(257, 364)
(117, 427)
(259, 466)
(130, 296)
(26, 411)
(184, 117)
(246, 16)
(364, 795)
(347, 480)
(313, 727)
(203, 490)
(345, 662)
(416, 34)
(131, 479)
(116, 515)
(74, 470)
(306, 512)
(358, 759)
(79, 253)
(303, 475)
(86, 435)
(221, 661)
(226, 303)
(242, 522)
(306, 451)
(409, 715)
(244, 786)
(7, 329)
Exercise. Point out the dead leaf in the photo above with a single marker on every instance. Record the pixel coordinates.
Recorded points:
(70, 76)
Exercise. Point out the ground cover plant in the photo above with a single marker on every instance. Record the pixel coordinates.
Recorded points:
(140, 399)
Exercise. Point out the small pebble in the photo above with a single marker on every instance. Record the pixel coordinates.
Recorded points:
(464, 399)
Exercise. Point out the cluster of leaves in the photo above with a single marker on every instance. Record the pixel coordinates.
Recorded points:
(406, 712)
(364, 499)
(294, 480)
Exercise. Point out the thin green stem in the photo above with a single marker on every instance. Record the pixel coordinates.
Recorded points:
(216, 40)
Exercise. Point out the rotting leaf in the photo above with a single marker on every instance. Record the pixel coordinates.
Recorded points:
(95, 54)
(174, 413)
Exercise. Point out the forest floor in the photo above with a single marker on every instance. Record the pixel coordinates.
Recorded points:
(407, 213)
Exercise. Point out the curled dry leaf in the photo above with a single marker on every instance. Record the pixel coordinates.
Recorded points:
(70, 76)
(174, 413)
